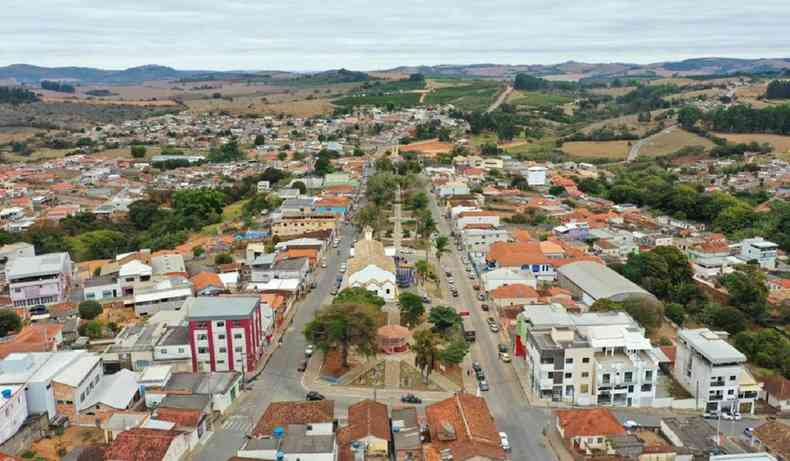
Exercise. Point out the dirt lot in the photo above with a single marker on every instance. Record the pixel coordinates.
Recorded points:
(432, 146)
(73, 437)
(672, 142)
(614, 150)
(12, 134)
(781, 143)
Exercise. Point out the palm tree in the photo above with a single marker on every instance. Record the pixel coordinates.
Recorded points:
(423, 269)
(426, 352)
(441, 245)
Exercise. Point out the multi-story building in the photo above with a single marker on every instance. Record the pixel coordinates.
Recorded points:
(303, 223)
(43, 279)
(225, 333)
(586, 359)
(13, 407)
(712, 370)
(13, 251)
(760, 250)
(478, 240)
(476, 217)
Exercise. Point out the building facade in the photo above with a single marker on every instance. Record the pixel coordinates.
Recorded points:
(43, 279)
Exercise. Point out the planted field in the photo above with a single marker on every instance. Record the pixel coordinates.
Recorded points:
(631, 121)
(537, 99)
(781, 143)
(613, 150)
(397, 100)
(671, 141)
(475, 96)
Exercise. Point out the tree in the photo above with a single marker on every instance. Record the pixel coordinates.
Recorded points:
(89, 310)
(727, 318)
(198, 251)
(747, 290)
(426, 352)
(229, 152)
(665, 272)
(454, 353)
(93, 329)
(646, 313)
(281, 156)
(9, 322)
(689, 116)
(443, 318)
(345, 327)
(138, 151)
(441, 244)
(424, 269)
(411, 309)
(301, 186)
(99, 244)
(676, 313)
(359, 295)
(529, 82)
(223, 258)
(259, 140)
(142, 213)
(766, 348)
(556, 190)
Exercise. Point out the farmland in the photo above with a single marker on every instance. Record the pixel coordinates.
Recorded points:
(396, 100)
(674, 140)
(537, 99)
(781, 143)
(473, 96)
(612, 150)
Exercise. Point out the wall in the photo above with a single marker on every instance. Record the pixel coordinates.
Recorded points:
(35, 428)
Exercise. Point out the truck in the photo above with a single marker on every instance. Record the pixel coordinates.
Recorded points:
(469, 331)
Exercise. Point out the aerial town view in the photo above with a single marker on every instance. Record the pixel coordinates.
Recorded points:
(419, 231)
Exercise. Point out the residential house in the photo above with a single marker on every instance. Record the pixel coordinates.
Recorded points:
(13, 407)
(221, 388)
(132, 272)
(43, 279)
(173, 348)
(207, 284)
(760, 250)
(541, 258)
(777, 392)
(225, 333)
(462, 429)
(191, 422)
(299, 224)
(712, 370)
(161, 293)
(589, 431)
(13, 251)
(283, 414)
(406, 434)
(496, 278)
(368, 432)
(515, 295)
(100, 288)
(775, 438)
(478, 240)
(467, 218)
(157, 445)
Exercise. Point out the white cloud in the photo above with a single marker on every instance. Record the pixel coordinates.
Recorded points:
(363, 34)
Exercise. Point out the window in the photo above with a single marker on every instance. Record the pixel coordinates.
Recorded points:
(180, 350)
(220, 362)
(202, 350)
(237, 336)
(569, 361)
(163, 351)
(220, 324)
(629, 376)
(648, 375)
(730, 392)
(221, 337)
(647, 387)
(90, 295)
(222, 350)
(585, 374)
(584, 388)
(732, 378)
(238, 349)
(568, 375)
(547, 360)
(202, 337)
(586, 360)
(606, 378)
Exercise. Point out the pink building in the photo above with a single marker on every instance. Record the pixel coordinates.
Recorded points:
(43, 279)
(225, 333)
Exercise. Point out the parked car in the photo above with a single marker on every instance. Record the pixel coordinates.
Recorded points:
(302, 366)
(710, 415)
(323, 264)
(491, 320)
(505, 357)
(426, 300)
(314, 396)
(410, 398)
(504, 440)
(333, 291)
(731, 416)
(480, 375)
(476, 366)
(494, 328)
(484, 307)
(748, 431)
(483, 384)
(448, 273)
(630, 424)
(481, 297)
(464, 313)
(455, 293)
(308, 351)
(503, 348)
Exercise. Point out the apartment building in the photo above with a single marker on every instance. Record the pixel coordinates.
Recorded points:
(43, 279)
(225, 333)
(712, 370)
(586, 359)
(760, 250)
(478, 240)
(477, 217)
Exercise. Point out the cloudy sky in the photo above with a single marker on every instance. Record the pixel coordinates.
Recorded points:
(377, 34)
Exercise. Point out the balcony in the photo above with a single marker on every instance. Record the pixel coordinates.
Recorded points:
(717, 384)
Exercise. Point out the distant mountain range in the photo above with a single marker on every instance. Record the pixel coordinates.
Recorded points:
(24, 73)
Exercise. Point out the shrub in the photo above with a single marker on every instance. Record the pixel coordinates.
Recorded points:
(89, 310)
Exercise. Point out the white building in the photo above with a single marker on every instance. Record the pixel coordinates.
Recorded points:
(761, 250)
(13, 408)
(712, 370)
(536, 176)
(372, 269)
(484, 218)
(506, 276)
(478, 240)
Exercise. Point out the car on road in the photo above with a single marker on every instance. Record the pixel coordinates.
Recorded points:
(302, 366)
(426, 300)
(313, 396)
(480, 375)
(484, 307)
(471, 276)
(494, 328)
(455, 293)
(483, 384)
(481, 297)
(630, 424)
(748, 431)
(505, 357)
(710, 415)
(491, 320)
(504, 441)
(308, 351)
(448, 273)
(342, 269)
(476, 366)
(323, 264)
(464, 313)
(502, 347)
(410, 398)
(731, 416)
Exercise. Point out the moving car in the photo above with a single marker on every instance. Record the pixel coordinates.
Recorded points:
(505, 357)
(480, 375)
(302, 366)
(491, 320)
(505, 442)
(484, 307)
(481, 297)
(410, 398)
(483, 385)
(308, 351)
(314, 396)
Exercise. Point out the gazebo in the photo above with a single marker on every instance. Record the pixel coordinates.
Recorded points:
(393, 338)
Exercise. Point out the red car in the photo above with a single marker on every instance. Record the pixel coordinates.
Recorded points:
(464, 314)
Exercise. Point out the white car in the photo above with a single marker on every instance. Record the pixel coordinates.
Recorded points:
(505, 441)
(323, 264)
(630, 424)
(308, 351)
(731, 416)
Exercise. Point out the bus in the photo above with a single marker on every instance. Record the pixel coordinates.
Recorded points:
(469, 331)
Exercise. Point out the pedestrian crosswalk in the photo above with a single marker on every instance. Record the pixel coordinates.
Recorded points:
(239, 423)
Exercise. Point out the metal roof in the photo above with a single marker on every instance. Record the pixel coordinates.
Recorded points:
(31, 266)
(600, 281)
(711, 346)
(222, 307)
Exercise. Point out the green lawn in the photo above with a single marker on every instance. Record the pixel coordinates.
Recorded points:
(474, 96)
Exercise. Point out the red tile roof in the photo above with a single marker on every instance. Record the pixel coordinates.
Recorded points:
(464, 424)
(206, 279)
(365, 419)
(515, 291)
(37, 337)
(302, 412)
(182, 417)
(589, 423)
(140, 444)
(778, 386)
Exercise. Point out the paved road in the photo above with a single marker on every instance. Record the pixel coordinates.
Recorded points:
(280, 381)
(634, 152)
(501, 99)
(523, 423)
